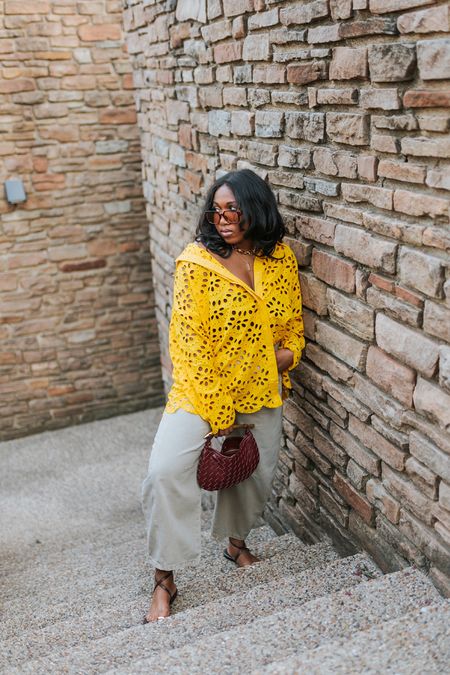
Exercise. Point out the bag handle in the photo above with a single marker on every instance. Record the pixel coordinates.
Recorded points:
(234, 428)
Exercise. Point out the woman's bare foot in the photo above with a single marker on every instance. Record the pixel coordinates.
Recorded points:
(164, 593)
(240, 553)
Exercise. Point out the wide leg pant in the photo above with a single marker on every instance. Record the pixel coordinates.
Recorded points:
(171, 497)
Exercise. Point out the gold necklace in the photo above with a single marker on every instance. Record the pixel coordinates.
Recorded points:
(244, 251)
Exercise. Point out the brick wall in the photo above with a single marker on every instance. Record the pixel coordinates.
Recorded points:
(78, 336)
(343, 106)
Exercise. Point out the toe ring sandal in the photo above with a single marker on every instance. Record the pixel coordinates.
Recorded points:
(234, 558)
(162, 585)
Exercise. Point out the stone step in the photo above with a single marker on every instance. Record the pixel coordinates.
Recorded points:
(69, 553)
(86, 544)
(58, 568)
(205, 586)
(415, 644)
(71, 484)
(278, 636)
(49, 594)
(282, 557)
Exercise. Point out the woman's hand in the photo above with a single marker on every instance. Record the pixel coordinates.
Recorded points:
(225, 432)
(285, 358)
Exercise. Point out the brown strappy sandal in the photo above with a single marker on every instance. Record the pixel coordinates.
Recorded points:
(235, 558)
(162, 585)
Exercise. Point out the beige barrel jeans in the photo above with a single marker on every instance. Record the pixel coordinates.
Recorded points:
(171, 496)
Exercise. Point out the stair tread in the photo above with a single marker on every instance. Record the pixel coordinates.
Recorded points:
(46, 556)
(414, 644)
(236, 609)
(196, 590)
(287, 557)
(40, 599)
(276, 636)
(68, 566)
(72, 485)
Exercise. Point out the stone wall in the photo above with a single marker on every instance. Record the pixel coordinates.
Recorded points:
(78, 337)
(343, 106)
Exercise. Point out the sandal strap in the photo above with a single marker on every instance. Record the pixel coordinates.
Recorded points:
(241, 550)
(161, 584)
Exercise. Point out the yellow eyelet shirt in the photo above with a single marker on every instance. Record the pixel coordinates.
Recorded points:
(223, 334)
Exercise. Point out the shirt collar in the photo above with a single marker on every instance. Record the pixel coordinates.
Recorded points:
(193, 253)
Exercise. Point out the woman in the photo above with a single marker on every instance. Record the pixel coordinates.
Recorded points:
(236, 331)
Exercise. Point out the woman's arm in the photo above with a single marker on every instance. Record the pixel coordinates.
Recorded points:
(191, 350)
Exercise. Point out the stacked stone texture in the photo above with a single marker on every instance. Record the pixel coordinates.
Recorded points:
(343, 105)
(78, 337)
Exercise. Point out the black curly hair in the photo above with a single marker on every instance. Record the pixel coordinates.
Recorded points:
(259, 209)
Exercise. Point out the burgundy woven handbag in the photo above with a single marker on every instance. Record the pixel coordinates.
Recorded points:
(232, 464)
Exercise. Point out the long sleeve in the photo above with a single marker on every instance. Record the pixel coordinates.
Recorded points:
(191, 350)
(294, 331)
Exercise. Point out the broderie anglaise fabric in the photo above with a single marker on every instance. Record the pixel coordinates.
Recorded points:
(222, 334)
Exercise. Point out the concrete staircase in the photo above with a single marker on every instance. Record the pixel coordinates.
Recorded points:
(75, 582)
